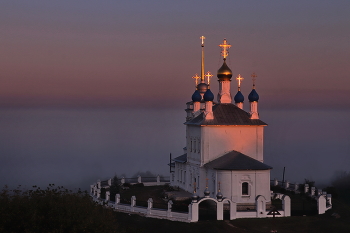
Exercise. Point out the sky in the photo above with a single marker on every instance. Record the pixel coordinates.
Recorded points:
(142, 54)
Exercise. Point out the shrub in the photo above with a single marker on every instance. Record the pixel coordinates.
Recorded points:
(54, 209)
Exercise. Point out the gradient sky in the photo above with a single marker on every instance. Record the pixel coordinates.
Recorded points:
(107, 52)
(142, 55)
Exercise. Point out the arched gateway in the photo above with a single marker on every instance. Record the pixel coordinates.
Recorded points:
(194, 208)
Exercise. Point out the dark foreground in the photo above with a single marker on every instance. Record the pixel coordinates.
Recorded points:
(300, 224)
(56, 209)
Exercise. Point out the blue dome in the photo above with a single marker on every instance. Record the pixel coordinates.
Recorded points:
(253, 96)
(239, 98)
(196, 97)
(208, 95)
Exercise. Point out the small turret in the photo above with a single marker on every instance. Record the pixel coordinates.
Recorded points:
(253, 99)
(224, 76)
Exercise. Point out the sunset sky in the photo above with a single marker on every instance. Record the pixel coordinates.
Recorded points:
(108, 52)
(136, 55)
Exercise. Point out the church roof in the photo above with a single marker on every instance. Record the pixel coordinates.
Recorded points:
(235, 160)
(226, 114)
(181, 158)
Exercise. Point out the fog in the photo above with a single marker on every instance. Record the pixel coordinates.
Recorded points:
(74, 147)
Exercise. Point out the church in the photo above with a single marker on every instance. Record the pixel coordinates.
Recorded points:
(223, 156)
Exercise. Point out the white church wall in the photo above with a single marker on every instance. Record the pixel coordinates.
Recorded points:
(218, 140)
(193, 138)
(231, 184)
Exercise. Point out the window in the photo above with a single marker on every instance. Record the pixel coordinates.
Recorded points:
(245, 188)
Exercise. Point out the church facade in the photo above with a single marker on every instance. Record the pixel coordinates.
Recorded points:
(224, 155)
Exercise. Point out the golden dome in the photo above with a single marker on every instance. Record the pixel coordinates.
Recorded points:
(224, 73)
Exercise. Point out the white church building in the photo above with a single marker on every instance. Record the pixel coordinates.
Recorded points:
(224, 154)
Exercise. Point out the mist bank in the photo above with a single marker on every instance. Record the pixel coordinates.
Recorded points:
(74, 147)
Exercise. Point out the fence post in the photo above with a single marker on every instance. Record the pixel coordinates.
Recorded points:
(260, 205)
(220, 210)
(139, 179)
(158, 180)
(133, 203)
(296, 187)
(149, 206)
(286, 205)
(321, 204)
(329, 199)
(193, 207)
(286, 185)
(117, 201)
(170, 206)
(275, 182)
(107, 196)
(233, 210)
(313, 189)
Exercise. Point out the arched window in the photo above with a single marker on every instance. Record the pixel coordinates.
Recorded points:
(245, 187)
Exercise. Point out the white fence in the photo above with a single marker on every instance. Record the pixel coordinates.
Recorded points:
(324, 200)
(258, 209)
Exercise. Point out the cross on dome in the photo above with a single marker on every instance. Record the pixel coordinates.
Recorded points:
(224, 49)
(253, 78)
(196, 77)
(202, 38)
(239, 79)
(208, 75)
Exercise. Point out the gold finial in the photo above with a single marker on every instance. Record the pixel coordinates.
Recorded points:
(219, 186)
(202, 63)
(239, 79)
(206, 182)
(208, 75)
(196, 77)
(253, 78)
(194, 186)
(224, 49)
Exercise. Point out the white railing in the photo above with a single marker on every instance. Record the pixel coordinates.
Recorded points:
(324, 200)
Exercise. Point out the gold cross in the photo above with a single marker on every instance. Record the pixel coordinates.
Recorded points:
(239, 79)
(224, 48)
(253, 78)
(209, 76)
(202, 38)
(196, 77)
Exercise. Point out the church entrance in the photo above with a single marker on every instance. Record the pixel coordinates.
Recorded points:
(207, 210)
